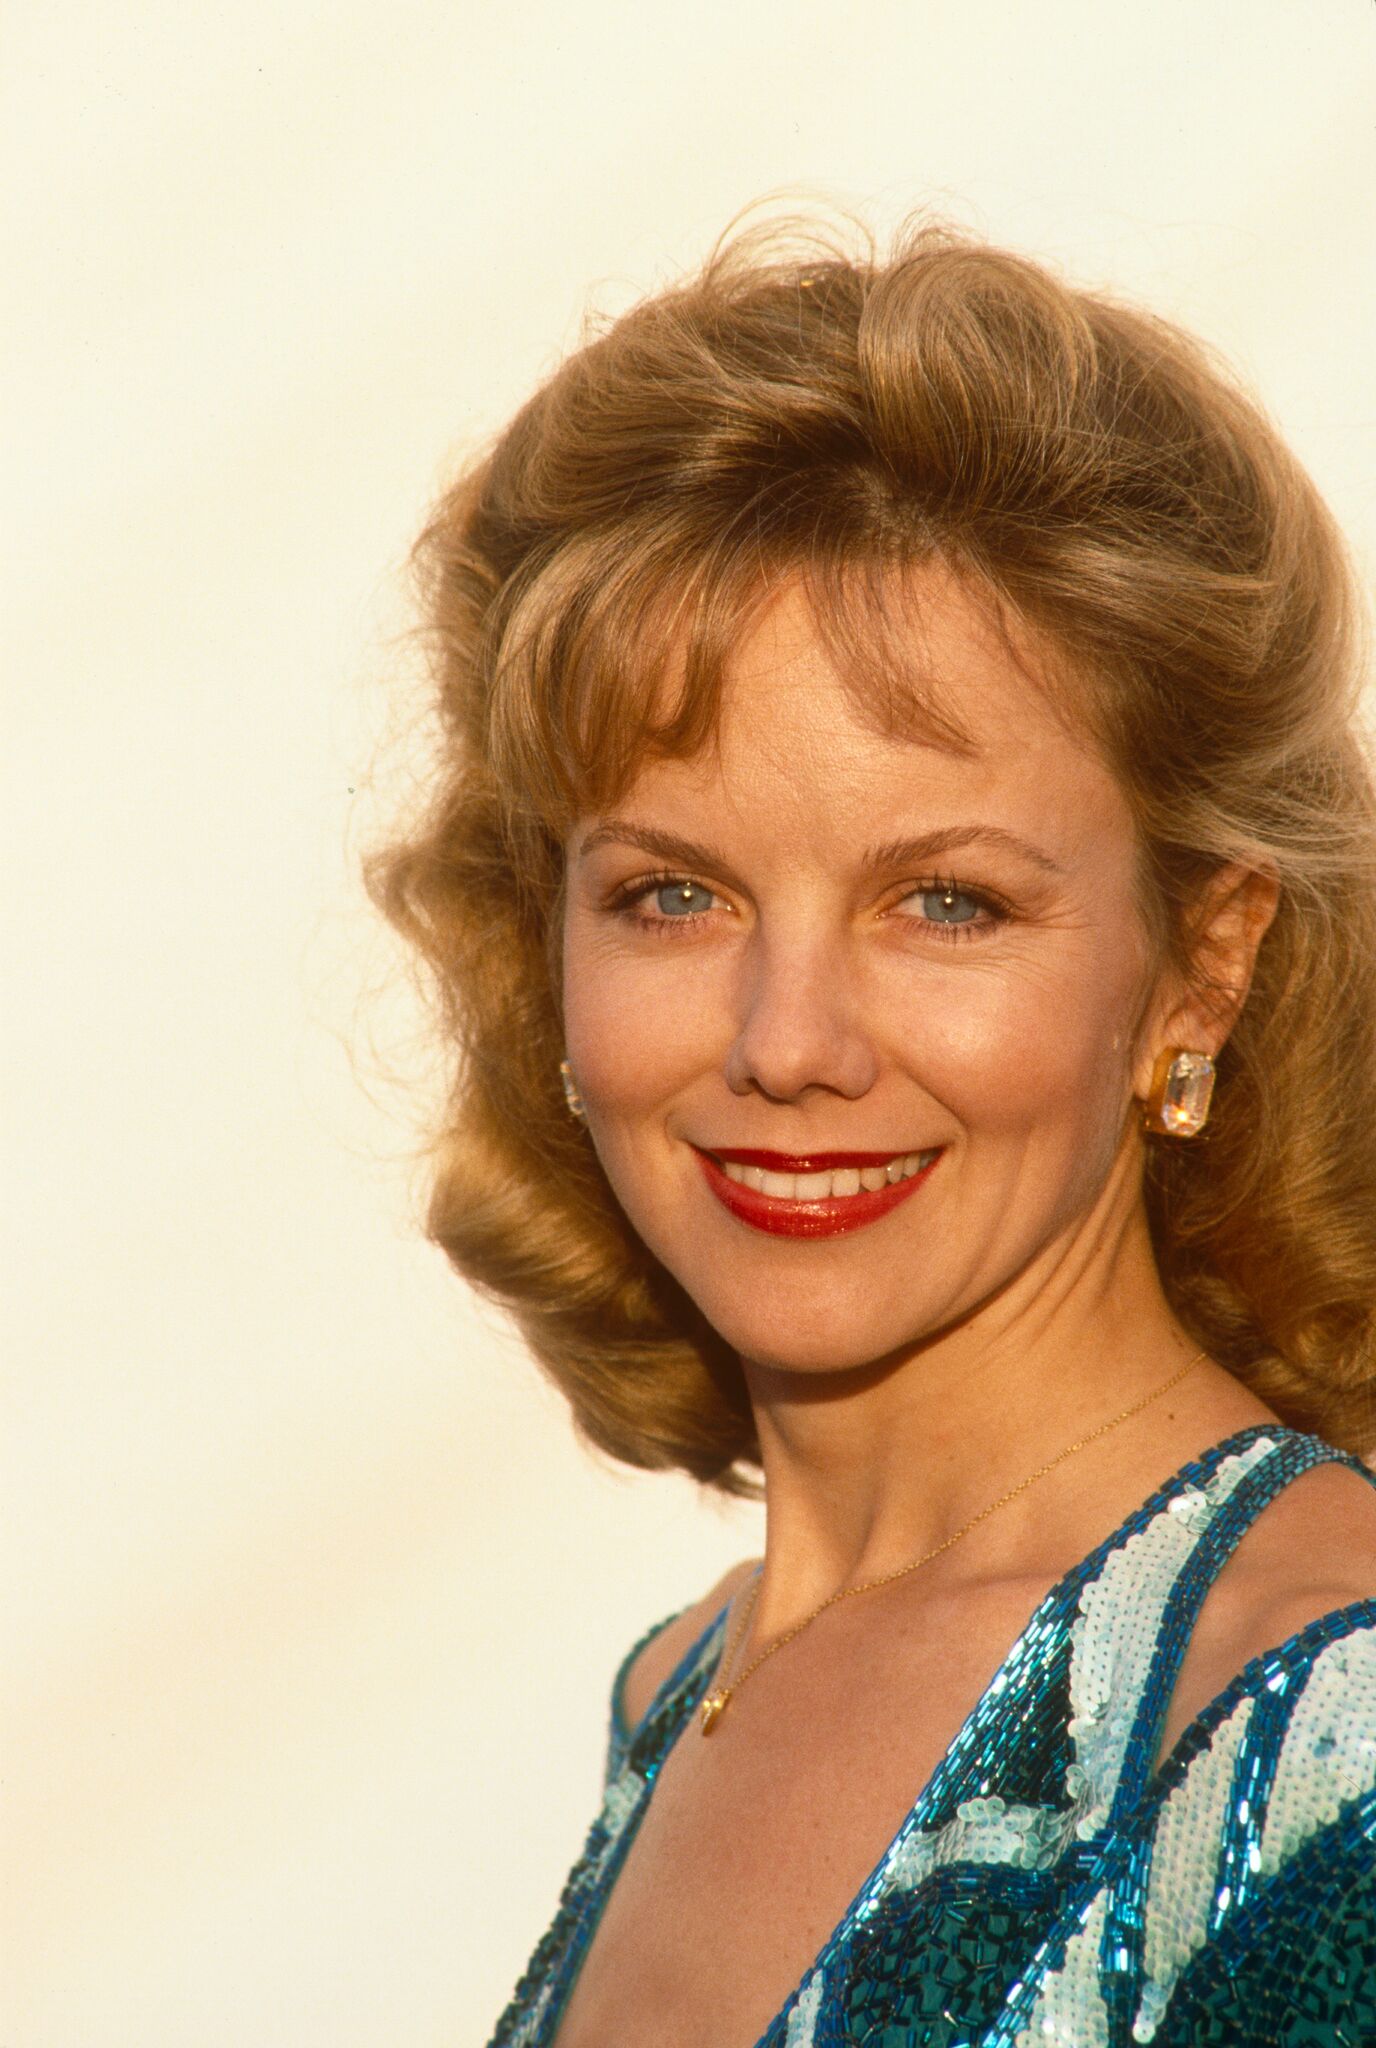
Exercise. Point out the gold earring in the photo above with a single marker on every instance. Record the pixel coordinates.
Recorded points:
(1182, 1086)
(571, 1095)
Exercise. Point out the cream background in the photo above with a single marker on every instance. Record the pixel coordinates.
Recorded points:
(312, 1601)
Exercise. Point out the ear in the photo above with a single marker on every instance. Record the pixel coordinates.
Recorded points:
(1229, 924)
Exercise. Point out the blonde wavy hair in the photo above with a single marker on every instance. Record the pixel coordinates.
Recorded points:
(805, 408)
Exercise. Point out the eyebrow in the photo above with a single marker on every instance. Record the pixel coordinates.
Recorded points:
(894, 853)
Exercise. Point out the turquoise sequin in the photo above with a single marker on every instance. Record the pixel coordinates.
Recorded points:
(1046, 1887)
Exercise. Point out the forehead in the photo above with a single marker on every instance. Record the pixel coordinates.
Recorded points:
(939, 671)
(976, 716)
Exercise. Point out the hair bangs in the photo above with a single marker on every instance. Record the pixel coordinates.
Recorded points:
(615, 653)
(619, 653)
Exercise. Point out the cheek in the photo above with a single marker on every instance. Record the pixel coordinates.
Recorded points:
(636, 1026)
(1025, 1051)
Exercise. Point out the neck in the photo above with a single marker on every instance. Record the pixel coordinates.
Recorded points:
(867, 1470)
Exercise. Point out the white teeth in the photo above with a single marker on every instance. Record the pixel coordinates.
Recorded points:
(821, 1187)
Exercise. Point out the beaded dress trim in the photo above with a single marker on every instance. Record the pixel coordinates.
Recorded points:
(1047, 1887)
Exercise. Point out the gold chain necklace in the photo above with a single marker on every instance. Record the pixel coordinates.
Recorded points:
(714, 1705)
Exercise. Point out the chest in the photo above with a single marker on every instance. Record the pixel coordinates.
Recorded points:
(759, 1836)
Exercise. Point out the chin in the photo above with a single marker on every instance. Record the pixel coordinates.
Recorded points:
(795, 1337)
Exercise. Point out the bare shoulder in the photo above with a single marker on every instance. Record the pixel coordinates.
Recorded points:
(665, 1650)
(1311, 1550)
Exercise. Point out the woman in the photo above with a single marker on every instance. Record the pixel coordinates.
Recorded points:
(899, 748)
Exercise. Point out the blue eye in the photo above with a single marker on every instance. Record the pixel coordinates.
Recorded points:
(682, 899)
(949, 905)
(665, 904)
(950, 912)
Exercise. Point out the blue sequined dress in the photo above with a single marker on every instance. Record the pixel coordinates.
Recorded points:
(1047, 1887)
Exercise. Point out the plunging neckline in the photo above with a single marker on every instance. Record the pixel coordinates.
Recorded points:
(691, 1677)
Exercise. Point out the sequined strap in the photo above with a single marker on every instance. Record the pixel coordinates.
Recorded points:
(1220, 1523)
(618, 1734)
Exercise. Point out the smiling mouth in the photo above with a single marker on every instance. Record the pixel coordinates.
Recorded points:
(825, 1194)
(821, 1177)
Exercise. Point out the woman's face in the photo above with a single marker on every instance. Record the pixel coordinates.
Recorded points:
(816, 940)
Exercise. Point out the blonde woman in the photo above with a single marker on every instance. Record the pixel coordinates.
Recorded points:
(902, 880)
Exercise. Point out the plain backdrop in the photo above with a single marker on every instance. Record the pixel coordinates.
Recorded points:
(312, 1601)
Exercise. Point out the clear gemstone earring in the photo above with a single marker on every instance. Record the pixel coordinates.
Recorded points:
(1182, 1086)
(571, 1095)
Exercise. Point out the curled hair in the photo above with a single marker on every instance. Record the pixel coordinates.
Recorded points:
(1099, 481)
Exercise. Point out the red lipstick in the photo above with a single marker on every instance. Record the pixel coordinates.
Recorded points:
(828, 1217)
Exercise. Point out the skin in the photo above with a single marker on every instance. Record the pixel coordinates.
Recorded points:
(904, 1375)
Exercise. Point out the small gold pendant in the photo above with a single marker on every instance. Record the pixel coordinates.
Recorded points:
(713, 1707)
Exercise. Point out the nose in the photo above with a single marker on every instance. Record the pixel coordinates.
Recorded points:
(800, 1024)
